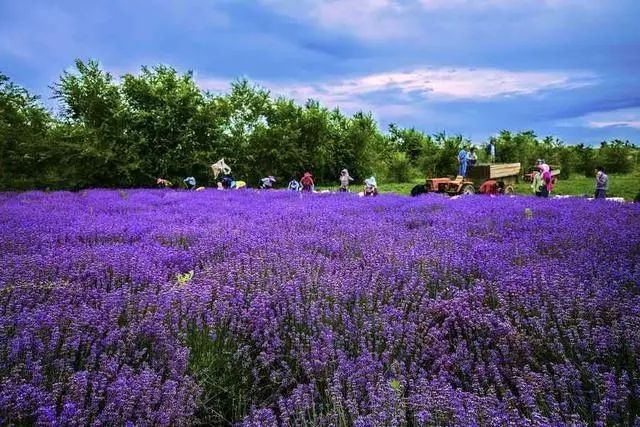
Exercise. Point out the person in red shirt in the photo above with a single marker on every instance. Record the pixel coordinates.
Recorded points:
(307, 182)
(492, 187)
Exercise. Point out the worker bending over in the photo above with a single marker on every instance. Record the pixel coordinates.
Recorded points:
(492, 187)
(307, 182)
(267, 183)
(370, 186)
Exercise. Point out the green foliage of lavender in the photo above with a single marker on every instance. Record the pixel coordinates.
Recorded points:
(162, 307)
(125, 132)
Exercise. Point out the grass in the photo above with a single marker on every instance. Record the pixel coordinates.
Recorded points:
(627, 186)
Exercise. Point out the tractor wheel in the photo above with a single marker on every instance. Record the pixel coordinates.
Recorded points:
(468, 189)
(509, 190)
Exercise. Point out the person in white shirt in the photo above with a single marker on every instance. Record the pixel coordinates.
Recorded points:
(345, 178)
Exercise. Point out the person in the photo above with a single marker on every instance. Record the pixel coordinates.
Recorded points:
(536, 183)
(160, 182)
(344, 181)
(370, 186)
(294, 185)
(602, 183)
(190, 182)
(419, 190)
(472, 159)
(491, 151)
(492, 187)
(307, 182)
(267, 183)
(547, 181)
(462, 162)
(228, 182)
(220, 167)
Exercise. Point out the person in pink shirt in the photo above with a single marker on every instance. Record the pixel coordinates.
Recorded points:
(547, 181)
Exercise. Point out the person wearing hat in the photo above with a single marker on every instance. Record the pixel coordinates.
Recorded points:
(294, 185)
(307, 182)
(344, 181)
(190, 182)
(547, 181)
(536, 182)
(267, 183)
(370, 186)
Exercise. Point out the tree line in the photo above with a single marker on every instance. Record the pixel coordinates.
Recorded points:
(127, 131)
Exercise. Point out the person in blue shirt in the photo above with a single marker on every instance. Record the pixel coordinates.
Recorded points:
(462, 162)
(228, 183)
(294, 185)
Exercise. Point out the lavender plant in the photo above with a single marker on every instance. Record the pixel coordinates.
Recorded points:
(174, 308)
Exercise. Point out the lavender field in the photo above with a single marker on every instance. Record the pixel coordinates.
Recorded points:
(150, 307)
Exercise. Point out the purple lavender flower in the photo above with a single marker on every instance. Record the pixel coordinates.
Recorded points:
(327, 310)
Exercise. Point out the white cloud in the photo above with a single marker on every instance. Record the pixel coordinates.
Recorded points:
(507, 4)
(394, 19)
(452, 83)
(622, 118)
(395, 93)
(368, 19)
(621, 123)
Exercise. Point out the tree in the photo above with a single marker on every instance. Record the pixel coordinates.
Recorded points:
(97, 121)
(164, 128)
(158, 123)
(24, 126)
(410, 141)
(616, 156)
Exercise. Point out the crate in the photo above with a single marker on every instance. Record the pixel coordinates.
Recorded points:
(494, 171)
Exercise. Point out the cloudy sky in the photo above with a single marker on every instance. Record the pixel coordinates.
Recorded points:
(569, 68)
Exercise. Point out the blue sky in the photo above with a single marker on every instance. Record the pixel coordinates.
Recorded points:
(569, 68)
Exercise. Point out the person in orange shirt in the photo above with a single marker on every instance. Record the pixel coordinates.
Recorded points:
(307, 182)
(492, 187)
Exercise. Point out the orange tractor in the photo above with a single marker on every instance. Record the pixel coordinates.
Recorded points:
(507, 173)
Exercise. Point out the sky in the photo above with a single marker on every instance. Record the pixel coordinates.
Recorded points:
(567, 68)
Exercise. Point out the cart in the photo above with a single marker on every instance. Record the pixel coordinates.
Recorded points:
(507, 173)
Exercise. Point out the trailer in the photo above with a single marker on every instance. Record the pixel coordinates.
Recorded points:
(506, 173)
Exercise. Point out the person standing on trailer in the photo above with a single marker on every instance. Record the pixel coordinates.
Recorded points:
(462, 162)
(491, 151)
(472, 159)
